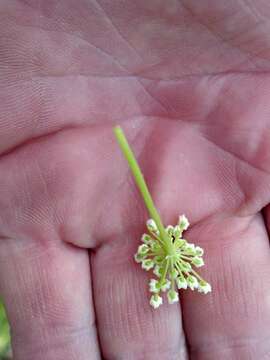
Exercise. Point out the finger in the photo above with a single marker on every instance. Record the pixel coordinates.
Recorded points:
(233, 322)
(45, 282)
(128, 327)
(47, 293)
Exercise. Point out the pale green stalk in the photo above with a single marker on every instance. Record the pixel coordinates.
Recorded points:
(139, 178)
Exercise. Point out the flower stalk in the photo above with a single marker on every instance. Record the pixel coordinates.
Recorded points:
(164, 250)
(139, 179)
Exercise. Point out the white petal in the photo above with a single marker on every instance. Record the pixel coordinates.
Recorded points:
(192, 282)
(158, 271)
(197, 261)
(173, 297)
(177, 231)
(147, 264)
(152, 226)
(206, 288)
(156, 301)
(153, 286)
(199, 251)
(190, 247)
(143, 249)
(183, 222)
(146, 239)
(181, 283)
(137, 258)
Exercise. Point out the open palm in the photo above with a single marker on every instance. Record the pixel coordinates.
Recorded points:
(189, 83)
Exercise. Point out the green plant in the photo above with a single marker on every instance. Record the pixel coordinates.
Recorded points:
(164, 250)
(4, 332)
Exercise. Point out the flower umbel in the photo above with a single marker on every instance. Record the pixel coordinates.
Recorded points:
(174, 267)
(170, 257)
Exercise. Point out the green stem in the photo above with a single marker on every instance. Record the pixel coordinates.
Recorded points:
(185, 257)
(163, 277)
(197, 275)
(139, 178)
(172, 279)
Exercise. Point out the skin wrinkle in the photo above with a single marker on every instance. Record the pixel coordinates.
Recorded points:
(133, 49)
(142, 77)
(60, 342)
(40, 111)
(144, 87)
(10, 151)
(94, 326)
(114, 27)
(162, 105)
(254, 11)
(237, 157)
(109, 55)
(188, 9)
(244, 161)
(125, 69)
(226, 346)
(227, 40)
(138, 79)
(167, 107)
(86, 41)
(75, 36)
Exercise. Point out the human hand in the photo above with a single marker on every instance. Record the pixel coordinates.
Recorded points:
(189, 83)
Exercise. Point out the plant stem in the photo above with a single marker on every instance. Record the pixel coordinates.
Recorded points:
(164, 272)
(139, 178)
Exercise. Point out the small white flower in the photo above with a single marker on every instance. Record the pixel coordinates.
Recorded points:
(173, 296)
(190, 247)
(199, 251)
(143, 249)
(156, 301)
(166, 285)
(192, 282)
(177, 231)
(204, 287)
(138, 258)
(197, 261)
(152, 226)
(158, 271)
(174, 273)
(147, 264)
(169, 229)
(183, 222)
(155, 247)
(154, 286)
(146, 239)
(181, 283)
(185, 266)
(173, 269)
(180, 243)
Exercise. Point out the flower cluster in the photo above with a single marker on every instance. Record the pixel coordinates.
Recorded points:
(172, 260)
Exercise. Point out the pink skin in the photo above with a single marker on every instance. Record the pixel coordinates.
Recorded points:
(189, 83)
